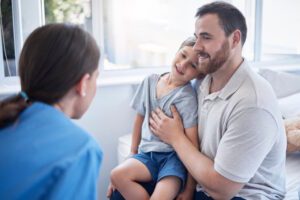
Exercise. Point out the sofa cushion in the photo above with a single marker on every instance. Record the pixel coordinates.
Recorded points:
(283, 83)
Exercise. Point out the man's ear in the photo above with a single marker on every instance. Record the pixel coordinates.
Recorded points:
(236, 37)
(82, 85)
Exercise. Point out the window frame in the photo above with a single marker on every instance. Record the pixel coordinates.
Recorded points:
(16, 16)
(19, 25)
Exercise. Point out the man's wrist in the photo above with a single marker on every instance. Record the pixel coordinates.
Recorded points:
(176, 142)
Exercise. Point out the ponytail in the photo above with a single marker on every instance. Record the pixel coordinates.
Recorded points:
(11, 108)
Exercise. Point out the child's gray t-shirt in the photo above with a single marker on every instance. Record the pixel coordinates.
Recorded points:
(145, 101)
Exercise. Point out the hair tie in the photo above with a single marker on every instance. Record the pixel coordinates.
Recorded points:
(24, 95)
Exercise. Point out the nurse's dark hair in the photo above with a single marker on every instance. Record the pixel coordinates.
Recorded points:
(54, 58)
(230, 18)
(190, 42)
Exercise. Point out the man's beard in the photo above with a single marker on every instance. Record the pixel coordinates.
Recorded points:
(217, 61)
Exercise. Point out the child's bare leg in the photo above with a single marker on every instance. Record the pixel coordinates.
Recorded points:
(167, 188)
(125, 176)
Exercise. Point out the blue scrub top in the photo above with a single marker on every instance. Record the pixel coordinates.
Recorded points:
(44, 155)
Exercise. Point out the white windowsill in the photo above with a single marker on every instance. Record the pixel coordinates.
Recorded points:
(120, 80)
(130, 77)
(106, 79)
(126, 77)
(9, 89)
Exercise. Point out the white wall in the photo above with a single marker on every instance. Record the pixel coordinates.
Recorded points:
(108, 118)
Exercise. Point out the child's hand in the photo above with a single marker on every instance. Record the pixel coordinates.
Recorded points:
(187, 194)
(110, 190)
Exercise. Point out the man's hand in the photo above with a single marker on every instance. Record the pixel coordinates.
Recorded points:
(166, 128)
(187, 194)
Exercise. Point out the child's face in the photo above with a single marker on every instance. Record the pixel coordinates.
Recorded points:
(184, 67)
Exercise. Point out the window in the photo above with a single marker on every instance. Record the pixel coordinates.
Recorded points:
(69, 11)
(140, 35)
(7, 39)
(280, 30)
(143, 33)
(18, 19)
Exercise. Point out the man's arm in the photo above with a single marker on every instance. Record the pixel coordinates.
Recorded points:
(200, 167)
(192, 134)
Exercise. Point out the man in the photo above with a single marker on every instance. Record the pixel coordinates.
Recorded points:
(240, 127)
(241, 133)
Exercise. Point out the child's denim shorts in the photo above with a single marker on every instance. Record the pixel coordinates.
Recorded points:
(163, 164)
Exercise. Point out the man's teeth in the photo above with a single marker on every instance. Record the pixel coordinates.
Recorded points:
(203, 55)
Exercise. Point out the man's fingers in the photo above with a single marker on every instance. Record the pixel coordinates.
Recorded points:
(155, 116)
(174, 112)
(153, 130)
(153, 125)
(160, 113)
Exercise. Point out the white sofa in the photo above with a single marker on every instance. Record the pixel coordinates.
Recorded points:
(287, 90)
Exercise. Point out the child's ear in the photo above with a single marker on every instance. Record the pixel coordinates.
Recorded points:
(82, 85)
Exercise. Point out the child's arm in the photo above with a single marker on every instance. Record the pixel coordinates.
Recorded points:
(188, 192)
(136, 135)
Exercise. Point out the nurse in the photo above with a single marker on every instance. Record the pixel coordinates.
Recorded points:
(43, 154)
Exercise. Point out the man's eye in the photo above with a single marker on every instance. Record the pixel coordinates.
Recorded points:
(206, 37)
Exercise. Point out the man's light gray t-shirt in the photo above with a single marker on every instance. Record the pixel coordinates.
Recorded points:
(145, 101)
(241, 130)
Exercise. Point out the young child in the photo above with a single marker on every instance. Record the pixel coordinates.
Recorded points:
(152, 159)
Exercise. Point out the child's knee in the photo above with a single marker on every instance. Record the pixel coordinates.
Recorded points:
(117, 175)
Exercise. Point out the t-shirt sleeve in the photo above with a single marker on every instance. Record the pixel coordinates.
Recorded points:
(245, 144)
(77, 177)
(137, 102)
(196, 84)
(187, 107)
